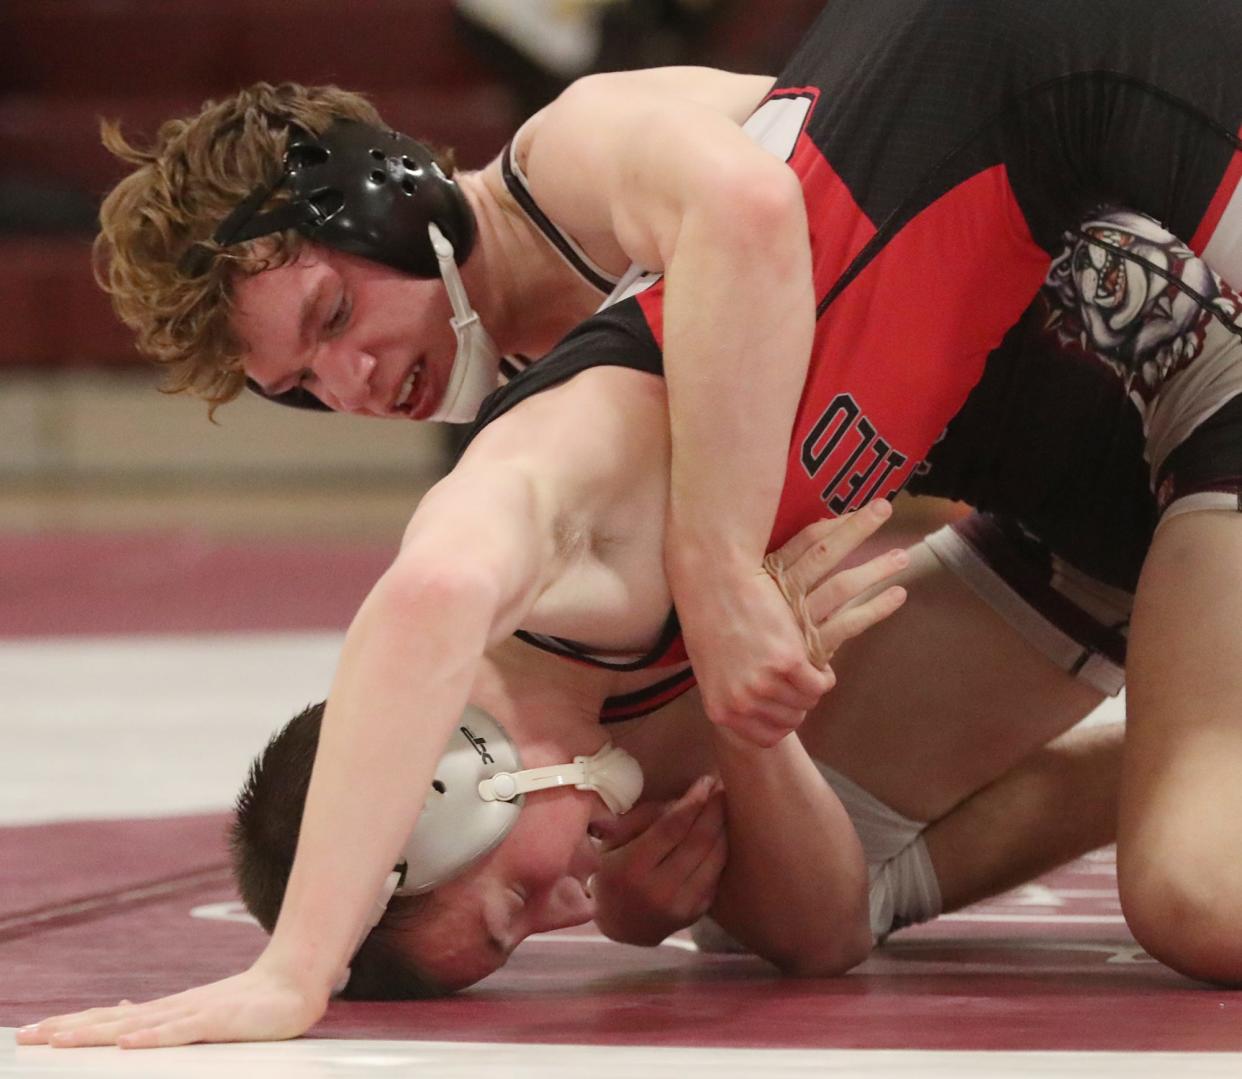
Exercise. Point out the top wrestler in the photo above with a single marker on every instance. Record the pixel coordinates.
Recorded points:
(952, 147)
(661, 177)
(1127, 358)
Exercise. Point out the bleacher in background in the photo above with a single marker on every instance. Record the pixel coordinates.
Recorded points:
(66, 63)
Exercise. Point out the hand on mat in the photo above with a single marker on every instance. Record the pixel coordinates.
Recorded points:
(659, 873)
(256, 1005)
(760, 650)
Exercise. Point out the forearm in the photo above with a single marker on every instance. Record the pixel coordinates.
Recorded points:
(738, 330)
(403, 678)
(794, 889)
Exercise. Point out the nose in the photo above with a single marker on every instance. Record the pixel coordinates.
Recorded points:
(344, 376)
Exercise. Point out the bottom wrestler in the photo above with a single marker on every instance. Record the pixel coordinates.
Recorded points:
(1007, 809)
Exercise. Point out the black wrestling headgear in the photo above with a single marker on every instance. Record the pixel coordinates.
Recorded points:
(364, 190)
(359, 189)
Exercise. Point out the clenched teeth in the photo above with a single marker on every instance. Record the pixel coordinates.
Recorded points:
(407, 387)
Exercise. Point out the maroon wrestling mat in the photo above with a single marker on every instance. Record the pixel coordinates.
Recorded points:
(93, 912)
(180, 582)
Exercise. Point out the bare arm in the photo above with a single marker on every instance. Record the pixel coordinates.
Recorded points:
(476, 555)
(794, 887)
(485, 544)
(677, 184)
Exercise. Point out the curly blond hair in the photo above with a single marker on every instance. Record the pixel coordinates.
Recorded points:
(182, 187)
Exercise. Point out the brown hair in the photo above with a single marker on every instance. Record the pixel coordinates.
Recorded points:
(183, 185)
(263, 838)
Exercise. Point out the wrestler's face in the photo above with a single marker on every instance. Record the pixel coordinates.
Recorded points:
(361, 337)
(534, 882)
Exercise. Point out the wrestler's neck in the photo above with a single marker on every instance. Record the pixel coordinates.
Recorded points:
(549, 705)
(527, 297)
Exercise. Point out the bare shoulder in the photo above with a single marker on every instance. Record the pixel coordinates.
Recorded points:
(590, 458)
(736, 95)
(582, 106)
(639, 144)
(587, 433)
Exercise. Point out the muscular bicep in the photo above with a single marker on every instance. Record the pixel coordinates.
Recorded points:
(644, 146)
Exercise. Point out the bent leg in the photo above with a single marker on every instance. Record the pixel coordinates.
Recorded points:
(1180, 824)
(947, 695)
(1056, 805)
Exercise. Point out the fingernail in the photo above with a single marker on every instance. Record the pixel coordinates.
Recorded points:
(883, 507)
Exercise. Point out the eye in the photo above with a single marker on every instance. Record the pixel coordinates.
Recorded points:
(339, 318)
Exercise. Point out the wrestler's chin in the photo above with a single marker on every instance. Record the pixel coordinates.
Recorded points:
(429, 396)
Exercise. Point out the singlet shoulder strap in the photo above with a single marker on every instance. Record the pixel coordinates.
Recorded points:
(579, 261)
(650, 699)
(656, 655)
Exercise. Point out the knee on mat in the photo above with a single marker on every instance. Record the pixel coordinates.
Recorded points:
(1187, 918)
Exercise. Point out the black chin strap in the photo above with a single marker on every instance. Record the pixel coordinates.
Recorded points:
(244, 222)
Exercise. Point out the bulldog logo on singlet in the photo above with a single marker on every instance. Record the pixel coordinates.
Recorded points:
(1129, 294)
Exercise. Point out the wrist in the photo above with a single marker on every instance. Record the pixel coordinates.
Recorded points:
(299, 974)
(704, 560)
(739, 756)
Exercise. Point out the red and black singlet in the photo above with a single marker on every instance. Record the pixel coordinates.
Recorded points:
(945, 149)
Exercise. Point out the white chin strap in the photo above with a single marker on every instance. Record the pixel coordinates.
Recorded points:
(611, 773)
(476, 367)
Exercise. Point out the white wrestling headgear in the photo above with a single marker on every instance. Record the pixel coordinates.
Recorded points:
(476, 367)
(475, 798)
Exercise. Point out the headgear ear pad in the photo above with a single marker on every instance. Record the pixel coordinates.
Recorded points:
(475, 799)
(456, 827)
(478, 791)
(373, 192)
(365, 190)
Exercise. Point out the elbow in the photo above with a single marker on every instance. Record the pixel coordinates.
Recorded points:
(756, 201)
(826, 959)
(420, 588)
